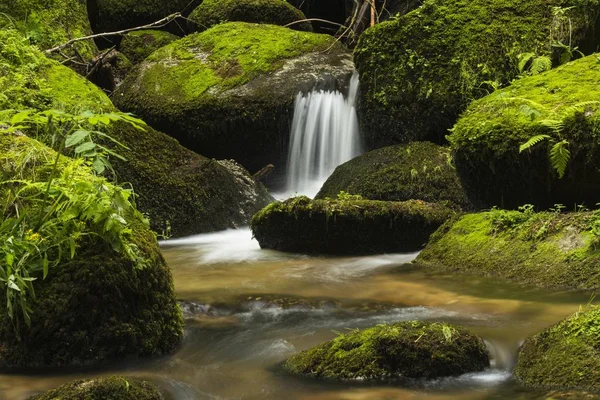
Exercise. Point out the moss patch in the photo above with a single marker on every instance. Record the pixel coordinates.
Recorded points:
(346, 226)
(138, 45)
(419, 72)
(545, 249)
(487, 139)
(410, 349)
(419, 170)
(566, 355)
(275, 12)
(113, 388)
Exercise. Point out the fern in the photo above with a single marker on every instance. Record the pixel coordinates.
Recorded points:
(533, 141)
(524, 59)
(560, 156)
(540, 64)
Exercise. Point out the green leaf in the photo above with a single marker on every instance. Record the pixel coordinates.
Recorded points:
(98, 165)
(559, 157)
(13, 285)
(20, 117)
(532, 142)
(85, 147)
(76, 138)
(45, 266)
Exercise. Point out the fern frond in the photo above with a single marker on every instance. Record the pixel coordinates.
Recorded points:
(540, 64)
(524, 58)
(556, 125)
(532, 142)
(529, 111)
(559, 157)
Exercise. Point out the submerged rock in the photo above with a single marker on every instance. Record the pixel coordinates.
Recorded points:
(112, 388)
(563, 104)
(546, 249)
(347, 226)
(275, 12)
(565, 356)
(227, 92)
(138, 45)
(418, 170)
(419, 72)
(411, 349)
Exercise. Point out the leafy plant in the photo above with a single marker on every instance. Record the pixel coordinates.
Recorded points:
(532, 64)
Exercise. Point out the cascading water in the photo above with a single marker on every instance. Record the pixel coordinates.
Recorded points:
(324, 135)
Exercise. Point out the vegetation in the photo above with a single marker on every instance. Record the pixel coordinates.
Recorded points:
(275, 12)
(410, 349)
(418, 170)
(347, 225)
(112, 388)
(138, 45)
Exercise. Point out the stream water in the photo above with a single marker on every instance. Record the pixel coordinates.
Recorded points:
(247, 310)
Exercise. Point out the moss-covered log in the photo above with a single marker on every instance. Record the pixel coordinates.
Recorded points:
(112, 388)
(419, 171)
(566, 355)
(411, 349)
(546, 249)
(347, 226)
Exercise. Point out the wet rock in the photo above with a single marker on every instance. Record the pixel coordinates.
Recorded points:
(112, 388)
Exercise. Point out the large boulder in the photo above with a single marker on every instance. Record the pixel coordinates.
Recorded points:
(180, 190)
(418, 170)
(563, 104)
(548, 249)
(138, 45)
(418, 72)
(565, 355)
(121, 270)
(228, 92)
(276, 12)
(112, 388)
(411, 349)
(347, 226)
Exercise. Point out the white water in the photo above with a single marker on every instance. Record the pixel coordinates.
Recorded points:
(324, 135)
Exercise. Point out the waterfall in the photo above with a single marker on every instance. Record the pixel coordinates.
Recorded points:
(324, 135)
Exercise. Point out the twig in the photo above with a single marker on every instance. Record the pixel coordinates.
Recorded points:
(313, 19)
(159, 23)
(99, 61)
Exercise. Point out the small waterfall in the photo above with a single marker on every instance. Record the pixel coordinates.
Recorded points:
(324, 135)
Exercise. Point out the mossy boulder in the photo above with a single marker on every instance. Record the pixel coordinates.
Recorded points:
(565, 355)
(179, 189)
(564, 104)
(138, 316)
(347, 226)
(275, 12)
(411, 349)
(419, 72)
(138, 45)
(547, 249)
(419, 171)
(112, 388)
(228, 92)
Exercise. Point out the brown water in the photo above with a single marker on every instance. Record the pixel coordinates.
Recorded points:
(247, 310)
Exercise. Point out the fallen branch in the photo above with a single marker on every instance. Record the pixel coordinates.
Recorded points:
(157, 24)
(313, 19)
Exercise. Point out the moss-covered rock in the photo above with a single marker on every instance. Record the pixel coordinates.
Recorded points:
(138, 316)
(546, 249)
(487, 137)
(227, 92)
(276, 12)
(113, 388)
(138, 45)
(420, 71)
(49, 23)
(411, 349)
(419, 171)
(347, 226)
(180, 190)
(566, 355)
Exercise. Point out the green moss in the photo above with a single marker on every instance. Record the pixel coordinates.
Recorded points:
(566, 355)
(138, 45)
(487, 139)
(276, 12)
(420, 71)
(419, 170)
(113, 388)
(410, 349)
(545, 249)
(346, 226)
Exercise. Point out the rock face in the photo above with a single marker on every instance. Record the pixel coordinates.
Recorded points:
(180, 190)
(411, 349)
(138, 45)
(139, 315)
(565, 355)
(113, 388)
(563, 104)
(420, 71)
(275, 12)
(228, 92)
(347, 226)
(419, 171)
(546, 249)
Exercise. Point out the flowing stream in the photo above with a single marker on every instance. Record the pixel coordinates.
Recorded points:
(248, 309)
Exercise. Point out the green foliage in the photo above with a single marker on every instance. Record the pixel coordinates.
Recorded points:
(109, 388)
(530, 64)
(343, 196)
